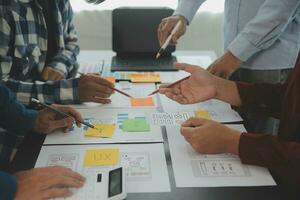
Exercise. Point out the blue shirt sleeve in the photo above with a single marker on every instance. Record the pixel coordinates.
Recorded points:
(14, 116)
(8, 186)
(188, 8)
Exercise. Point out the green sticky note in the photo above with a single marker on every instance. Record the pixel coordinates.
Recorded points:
(135, 125)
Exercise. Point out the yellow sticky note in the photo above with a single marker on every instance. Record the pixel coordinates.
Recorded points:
(110, 79)
(148, 101)
(101, 157)
(145, 78)
(202, 114)
(102, 130)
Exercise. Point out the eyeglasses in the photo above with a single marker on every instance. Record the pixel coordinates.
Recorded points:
(94, 1)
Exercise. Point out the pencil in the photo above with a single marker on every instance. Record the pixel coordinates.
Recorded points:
(171, 85)
(63, 114)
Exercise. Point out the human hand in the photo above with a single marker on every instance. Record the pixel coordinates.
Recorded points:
(47, 183)
(50, 74)
(93, 88)
(210, 137)
(224, 66)
(199, 87)
(48, 120)
(166, 26)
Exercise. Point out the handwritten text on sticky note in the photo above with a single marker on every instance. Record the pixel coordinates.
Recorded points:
(102, 130)
(101, 157)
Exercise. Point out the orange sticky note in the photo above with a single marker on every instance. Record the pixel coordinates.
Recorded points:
(110, 79)
(148, 101)
(145, 78)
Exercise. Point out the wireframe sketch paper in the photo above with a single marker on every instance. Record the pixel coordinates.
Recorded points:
(214, 109)
(116, 117)
(144, 164)
(192, 169)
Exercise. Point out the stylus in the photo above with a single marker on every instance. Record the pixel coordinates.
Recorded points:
(167, 42)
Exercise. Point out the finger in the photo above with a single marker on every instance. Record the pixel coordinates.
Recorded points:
(102, 81)
(194, 122)
(71, 111)
(175, 90)
(102, 89)
(187, 132)
(56, 193)
(60, 124)
(159, 30)
(166, 30)
(64, 172)
(176, 98)
(101, 100)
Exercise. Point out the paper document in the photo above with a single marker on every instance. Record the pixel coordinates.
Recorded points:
(144, 164)
(138, 130)
(192, 169)
(169, 119)
(212, 109)
(101, 130)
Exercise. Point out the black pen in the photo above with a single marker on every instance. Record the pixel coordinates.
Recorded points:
(63, 114)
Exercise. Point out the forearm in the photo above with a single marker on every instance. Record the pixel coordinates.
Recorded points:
(60, 92)
(8, 186)
(13, 112)
(280, 157)
(265, 28)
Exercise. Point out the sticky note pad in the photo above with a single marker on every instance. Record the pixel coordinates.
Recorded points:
(103, 130)
(110, 79)
(148, 101)
(145, 78)
(202, 114)
(135, 125)
(101, 157)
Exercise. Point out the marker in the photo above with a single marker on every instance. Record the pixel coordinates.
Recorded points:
(171, 85)
(166, 44)
(63, 114)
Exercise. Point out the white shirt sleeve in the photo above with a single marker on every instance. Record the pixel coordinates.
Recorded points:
(265, 28)
(188, 8)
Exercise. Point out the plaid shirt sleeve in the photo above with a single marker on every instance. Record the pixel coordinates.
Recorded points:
(65, 60)
(60, 92)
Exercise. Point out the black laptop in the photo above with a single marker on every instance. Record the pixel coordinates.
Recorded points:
(135, 40)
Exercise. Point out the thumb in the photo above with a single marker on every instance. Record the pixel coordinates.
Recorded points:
(59, 124)
(185, 67)
(187, 132)
(194, 122)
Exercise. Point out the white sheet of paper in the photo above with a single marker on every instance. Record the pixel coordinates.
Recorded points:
(203, 61)
(108, 116)
(144, 164)
(219, 111)
(192, 169)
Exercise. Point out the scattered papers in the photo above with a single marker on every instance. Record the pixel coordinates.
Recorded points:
(204, 114)
(110, 79)
(169, 119)
(144, 165)
(101, 157)
(145, 78)
(192, 169)
(102, 130)
(135, 125)
(148, 101)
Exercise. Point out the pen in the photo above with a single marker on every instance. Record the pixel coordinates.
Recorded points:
(61, 113)
(165, 45)
(115, 89)
(171, 85)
